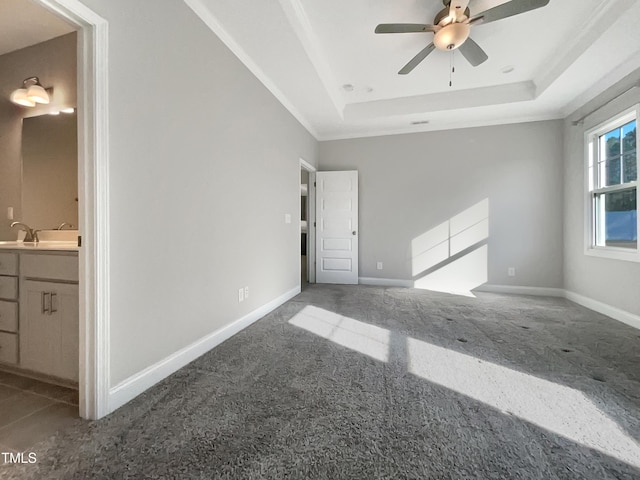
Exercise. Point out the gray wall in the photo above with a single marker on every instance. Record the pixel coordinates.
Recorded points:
(54, 62)
(614, 282)
(410, 184)
(199, 185)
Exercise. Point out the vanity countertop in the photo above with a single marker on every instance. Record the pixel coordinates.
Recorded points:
(40, 246)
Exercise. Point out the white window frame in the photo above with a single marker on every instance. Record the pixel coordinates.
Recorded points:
(591, 138)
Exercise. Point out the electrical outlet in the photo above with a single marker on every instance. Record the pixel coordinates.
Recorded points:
(9, 213)
(511, 271)
(287, 218)
(246, 292)
(240, 295)
(379, 266)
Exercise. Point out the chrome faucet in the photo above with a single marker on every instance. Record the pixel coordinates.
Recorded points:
(31, 235)
(64, 224)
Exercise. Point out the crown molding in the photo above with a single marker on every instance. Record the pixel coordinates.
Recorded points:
(216, 27)
(596, 25)
(299, 20)
(381, 132)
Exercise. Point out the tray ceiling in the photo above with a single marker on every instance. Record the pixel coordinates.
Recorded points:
(326, 65)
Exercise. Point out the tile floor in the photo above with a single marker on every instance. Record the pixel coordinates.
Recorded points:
(31, 411)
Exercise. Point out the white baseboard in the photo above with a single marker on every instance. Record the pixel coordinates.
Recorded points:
(138, 383)
(141, 381)
(519, 290)
(512, 289)
(605, 309)
(385, 282)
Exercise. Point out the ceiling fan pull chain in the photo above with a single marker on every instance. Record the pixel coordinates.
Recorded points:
(452, 67)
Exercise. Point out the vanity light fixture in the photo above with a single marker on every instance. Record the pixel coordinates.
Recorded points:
(31, 93)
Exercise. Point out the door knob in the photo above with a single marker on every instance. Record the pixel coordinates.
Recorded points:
(354, 232)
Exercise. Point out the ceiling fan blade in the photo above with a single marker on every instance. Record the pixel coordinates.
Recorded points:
(413, 63)
(509, 9)
(405, 28)
(473, 53)
(457, 8)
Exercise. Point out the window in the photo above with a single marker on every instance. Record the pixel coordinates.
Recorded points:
(612, 184)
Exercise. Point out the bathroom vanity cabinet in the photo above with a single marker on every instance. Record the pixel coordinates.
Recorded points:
(9, 308)
(39, 313)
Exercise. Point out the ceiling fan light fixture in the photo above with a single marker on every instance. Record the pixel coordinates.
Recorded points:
(451, 36)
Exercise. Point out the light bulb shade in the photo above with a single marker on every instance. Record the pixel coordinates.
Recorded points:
(451, 36)
(20, 97)
(37, 94)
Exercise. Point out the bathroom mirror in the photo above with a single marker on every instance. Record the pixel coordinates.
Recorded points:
(50, 171)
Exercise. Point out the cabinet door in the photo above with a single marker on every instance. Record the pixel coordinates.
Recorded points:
(49, 329)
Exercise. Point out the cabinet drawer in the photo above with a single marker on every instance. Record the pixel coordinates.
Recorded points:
(53, 267)
(8, 316)
(9, 288)
(8, 348)
(8, 264)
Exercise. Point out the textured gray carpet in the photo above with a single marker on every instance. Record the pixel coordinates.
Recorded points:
(406, 384)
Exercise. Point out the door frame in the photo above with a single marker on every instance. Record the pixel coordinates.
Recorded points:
(93, 205)
(311, 219)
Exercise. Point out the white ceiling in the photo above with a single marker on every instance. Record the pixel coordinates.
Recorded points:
(23, 23)
(304, 51)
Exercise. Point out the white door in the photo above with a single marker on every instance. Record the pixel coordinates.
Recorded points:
(337, 227)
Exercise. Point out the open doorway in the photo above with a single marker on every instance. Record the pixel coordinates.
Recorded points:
(39, 268)
(307, 224)
(92, 304)
(304, 227)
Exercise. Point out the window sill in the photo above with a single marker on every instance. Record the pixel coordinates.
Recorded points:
(613, 253)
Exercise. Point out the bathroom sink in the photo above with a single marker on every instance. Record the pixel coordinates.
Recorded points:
(51, 240)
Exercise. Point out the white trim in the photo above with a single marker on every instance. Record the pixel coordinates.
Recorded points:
(200, 9)
(301, 25)
(600, 307)
(140, 382)
(385, 282)
(306, 165)
(508, 289)
(605, 309)
(147, 378)
(311, 218)
(580, 39)
(435, 126)
(520, 290)
(613, 253)
(93, 185)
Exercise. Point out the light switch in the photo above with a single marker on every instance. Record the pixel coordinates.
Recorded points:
(9, 213)
(287, 218)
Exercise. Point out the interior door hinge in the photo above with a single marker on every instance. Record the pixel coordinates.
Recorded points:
(314, 184)
(314, 224)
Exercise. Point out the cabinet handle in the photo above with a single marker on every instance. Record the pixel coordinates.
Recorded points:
(52, 309)
(44, 302)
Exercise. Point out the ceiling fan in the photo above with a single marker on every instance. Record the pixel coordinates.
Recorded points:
(452, 27)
